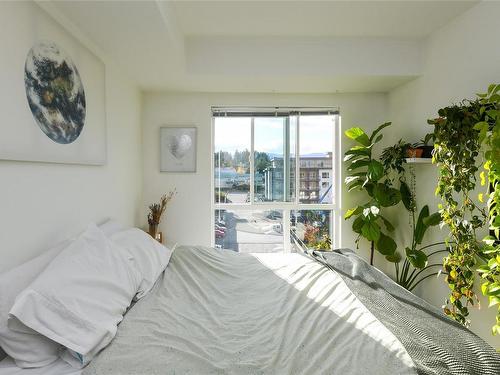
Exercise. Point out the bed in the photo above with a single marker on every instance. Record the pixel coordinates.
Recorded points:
(219, 312)
(214, 311)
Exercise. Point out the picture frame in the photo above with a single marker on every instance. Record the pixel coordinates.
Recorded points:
(178, 149)
(33, 132)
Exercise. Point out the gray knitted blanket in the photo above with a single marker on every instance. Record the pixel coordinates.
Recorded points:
(436, 344)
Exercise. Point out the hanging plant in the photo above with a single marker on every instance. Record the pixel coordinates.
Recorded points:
(489, 134)
(457, 146)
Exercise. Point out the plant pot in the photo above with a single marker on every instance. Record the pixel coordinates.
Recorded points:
(427, 151)
(414, 152)
(153, 230)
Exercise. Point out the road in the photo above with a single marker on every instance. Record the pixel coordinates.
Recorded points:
(251, 232)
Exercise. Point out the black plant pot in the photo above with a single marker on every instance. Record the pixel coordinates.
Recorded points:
(427, 151)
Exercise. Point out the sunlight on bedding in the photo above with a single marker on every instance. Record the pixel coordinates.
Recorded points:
(326, 288)
(219, 312)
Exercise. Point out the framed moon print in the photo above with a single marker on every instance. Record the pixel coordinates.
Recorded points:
(177, 149)
(53, 93)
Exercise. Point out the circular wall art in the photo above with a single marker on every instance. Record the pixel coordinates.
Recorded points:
(55, 92)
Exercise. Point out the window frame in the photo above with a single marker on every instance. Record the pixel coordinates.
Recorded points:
(285, 207)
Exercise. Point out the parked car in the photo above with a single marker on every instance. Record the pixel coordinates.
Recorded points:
(220, 227)
(274, 214)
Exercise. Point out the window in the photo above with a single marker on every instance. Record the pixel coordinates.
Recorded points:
(274, 178)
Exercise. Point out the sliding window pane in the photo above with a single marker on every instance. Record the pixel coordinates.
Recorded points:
(249, 231)
(312, 228)
(274, 145)
(316, 145)
(232, 159)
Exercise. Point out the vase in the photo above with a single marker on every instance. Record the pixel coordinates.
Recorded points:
(159, 237)
(153, 230)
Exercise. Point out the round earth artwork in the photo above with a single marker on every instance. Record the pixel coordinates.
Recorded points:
(55, 92)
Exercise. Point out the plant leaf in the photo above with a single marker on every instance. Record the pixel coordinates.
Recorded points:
(378, 139)
(385, 195)
(354, 185)
(387, 224)
(432, 220)
(358, 164)
(353, 211)
(385, 245)
(352, 178)
(376, 131)
(375, 170)
(357, 150)
(406, 196)
(358, 135)
(493, 301)
(370, 231)
(420, 227)
(417, 258)
(393, 258)
(357, 224)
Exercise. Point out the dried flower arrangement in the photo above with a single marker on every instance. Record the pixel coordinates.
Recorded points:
(156, 211)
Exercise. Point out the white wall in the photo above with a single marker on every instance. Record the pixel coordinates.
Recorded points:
(188, 216)
(41, 203)
(460, 60)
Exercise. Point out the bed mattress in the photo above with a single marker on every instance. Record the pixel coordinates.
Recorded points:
(219, 312)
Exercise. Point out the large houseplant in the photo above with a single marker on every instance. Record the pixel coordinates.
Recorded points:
(366, 174)
(379, 179)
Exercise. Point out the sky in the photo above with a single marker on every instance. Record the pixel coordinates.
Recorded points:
(231, 133)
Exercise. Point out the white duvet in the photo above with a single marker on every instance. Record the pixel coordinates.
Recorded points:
(219, 312)
(59, 367)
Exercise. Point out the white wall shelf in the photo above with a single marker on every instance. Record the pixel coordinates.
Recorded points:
(418, 160)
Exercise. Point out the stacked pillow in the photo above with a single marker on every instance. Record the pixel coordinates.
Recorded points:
(27, 347)
(72, 308)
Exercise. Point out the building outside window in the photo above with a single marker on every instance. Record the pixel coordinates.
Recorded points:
(261, 203)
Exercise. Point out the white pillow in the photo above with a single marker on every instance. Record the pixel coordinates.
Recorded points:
(151, 257)
(27, 347)
(110, 227)
(81, 296)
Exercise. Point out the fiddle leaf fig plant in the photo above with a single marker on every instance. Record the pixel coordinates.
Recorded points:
(365, 174)
(377, 179)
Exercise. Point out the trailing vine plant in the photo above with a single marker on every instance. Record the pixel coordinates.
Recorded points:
(489, 135)
(457, 146)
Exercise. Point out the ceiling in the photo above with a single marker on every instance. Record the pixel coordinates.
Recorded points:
(316, 18)
(263, 46)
